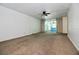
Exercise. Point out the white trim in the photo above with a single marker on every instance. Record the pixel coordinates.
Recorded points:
(73, 42)
(17, 37)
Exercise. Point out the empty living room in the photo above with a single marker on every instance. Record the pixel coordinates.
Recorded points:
(39, 28)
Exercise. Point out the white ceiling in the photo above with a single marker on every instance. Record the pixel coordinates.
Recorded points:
(36, 9)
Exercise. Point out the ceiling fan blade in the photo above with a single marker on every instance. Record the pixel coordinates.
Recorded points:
(44, 13)
(47, 13)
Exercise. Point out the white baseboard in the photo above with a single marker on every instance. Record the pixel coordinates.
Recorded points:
(73, 42)
(18, 36)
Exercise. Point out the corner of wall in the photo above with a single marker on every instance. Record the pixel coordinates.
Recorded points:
(73, 42)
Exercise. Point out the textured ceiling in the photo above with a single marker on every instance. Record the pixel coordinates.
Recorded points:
(36, 9)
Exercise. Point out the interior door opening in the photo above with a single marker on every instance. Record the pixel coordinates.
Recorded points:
(51, 25)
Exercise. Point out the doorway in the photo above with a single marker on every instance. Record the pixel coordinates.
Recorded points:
(51, 25)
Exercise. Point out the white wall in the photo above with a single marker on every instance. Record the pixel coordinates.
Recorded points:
(73, 24)
(14, 24)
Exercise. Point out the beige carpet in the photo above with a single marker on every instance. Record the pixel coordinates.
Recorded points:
(39, 44)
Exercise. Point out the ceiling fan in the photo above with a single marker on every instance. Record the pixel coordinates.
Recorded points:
(45, 13)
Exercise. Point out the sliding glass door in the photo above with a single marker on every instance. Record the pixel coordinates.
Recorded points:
(51, 25)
